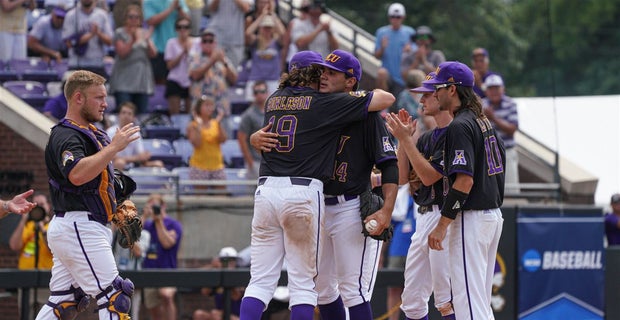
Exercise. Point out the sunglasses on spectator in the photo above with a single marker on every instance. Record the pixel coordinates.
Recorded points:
(259, 91)
(133, 16)
(208, 40)
(395, 17)
(183, 27)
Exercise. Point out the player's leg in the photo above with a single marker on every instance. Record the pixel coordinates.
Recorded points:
(330, 303)
(266, 253)
(492, 257)
(357, 259)
(301, 220)
(471, 238)
(418, 279)
(440, 273)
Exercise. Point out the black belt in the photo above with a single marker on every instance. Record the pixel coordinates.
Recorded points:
(335, 200)
(61, 214)
(294, 181)
(425, 209)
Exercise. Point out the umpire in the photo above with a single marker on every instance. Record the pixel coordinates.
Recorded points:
(79, 165)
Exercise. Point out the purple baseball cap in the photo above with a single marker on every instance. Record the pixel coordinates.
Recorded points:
(303, 59)
(59, 12)
(344, 62)
(425, 88)
(453, 72)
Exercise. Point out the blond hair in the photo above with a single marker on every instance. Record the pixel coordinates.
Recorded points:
(81, 80)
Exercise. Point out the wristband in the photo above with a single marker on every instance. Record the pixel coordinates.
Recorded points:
(5, 206)
(455, 200)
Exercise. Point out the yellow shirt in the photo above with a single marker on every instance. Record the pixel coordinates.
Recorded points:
(195, 4)
(14, 21)
(209, 155)
(26, 257)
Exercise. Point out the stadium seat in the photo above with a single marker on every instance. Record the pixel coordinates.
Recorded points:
(152, 180)
(161, 132)
(183, 148)
(181, 121)
(163, 150)
(233, 157)
(32, 92)
(60, 67)
(35, 69)
(6, 73)
(157, 101)
(183, 175)
(235, 188)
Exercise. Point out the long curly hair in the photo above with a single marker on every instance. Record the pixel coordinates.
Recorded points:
(301, 77)
(469, 99)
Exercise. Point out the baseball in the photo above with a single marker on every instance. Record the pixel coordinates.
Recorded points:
(371, 225)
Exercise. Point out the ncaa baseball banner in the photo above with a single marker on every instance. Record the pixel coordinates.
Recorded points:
(561, 263)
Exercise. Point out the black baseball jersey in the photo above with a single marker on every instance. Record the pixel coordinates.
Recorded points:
(431, 145)
(65, 148)
(362, 144)
(473, 147)
(309, 125)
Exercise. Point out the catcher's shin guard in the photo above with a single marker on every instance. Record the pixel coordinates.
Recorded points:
(69, 309)
(120, 300)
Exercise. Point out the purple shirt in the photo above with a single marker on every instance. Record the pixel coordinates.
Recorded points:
(156, 255)
(611, 229)
(56, 106)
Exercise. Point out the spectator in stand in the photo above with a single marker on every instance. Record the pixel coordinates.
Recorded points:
(407, 99)
(134, 155)
(265, 50)
(501, 110)
(87, 33)
(206, 134)
(30, 239)
(196, 8)
(251, 121)
(480, 67)
(177, 56)
(612, 221)
(312, 33)
(13, 28)
(289, 47)
(212, 72)
(162, 253)
(391, 42)
(132, 73)
(162, 15)
(227, 22)
(45, 38)
(55, 108)
(49, 5)
(424, 57)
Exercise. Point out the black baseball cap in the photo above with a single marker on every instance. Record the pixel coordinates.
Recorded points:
(615, 198)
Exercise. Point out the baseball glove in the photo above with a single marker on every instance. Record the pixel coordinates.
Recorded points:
(128, 223)
(369, 204)
(414, 181)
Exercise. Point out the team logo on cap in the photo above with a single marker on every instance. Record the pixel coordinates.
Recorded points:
(459, 158)
(332, 58)
(387, 145)
(66, 156)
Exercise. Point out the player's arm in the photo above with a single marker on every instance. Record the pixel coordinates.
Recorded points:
(88, 168)
(403, 165)
(380, 100)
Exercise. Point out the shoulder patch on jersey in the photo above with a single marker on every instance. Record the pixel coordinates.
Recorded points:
(387, 145)
(459, 158)
(361, 93)
(66, 156)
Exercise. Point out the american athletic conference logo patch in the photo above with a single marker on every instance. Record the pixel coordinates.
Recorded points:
(459, 158)
(66, 156)
(387, 145)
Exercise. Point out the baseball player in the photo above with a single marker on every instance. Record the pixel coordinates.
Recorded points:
(79, 164)
(18, 204)
(474, 161)
(289, 202)
(426, 271)
(348, 261)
